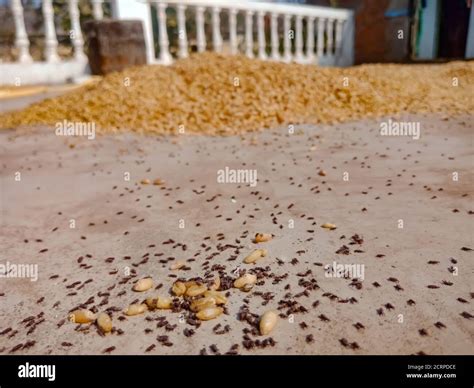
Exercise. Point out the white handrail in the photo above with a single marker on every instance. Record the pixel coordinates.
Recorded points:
(50, 38)
(53, 69)
(330, 42)
(329, 33)
(242, 5)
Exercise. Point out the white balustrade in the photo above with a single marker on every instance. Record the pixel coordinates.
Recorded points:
(329, 42)
(249, 34)
(182, 35)
(52, 69)
(50, 40)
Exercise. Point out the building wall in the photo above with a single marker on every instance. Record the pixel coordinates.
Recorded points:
(376, 34)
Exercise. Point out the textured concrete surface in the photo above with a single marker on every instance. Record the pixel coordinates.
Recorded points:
(423, 271)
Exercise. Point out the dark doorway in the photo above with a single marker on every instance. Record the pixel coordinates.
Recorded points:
(453, 29)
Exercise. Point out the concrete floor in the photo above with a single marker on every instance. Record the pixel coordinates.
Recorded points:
(18, 103)
(122, 225)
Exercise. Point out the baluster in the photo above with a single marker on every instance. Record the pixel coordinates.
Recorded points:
(76, 33)
(339, 25)
(286, 39)
(216, 29)
(233, 30)
(320, 48)
(165, 56)
(310, 38)
(299, 39)
(97, 10)
(274, 37)
(249, 34)
(261, 35)
(182, 34)
(201, 37)
(21, 38)
(330, 31)
(51, 42)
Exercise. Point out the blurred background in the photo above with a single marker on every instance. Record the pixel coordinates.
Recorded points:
(433, 29)
(57, 42)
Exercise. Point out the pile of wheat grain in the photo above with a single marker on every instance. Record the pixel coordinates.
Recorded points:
(215, 94)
